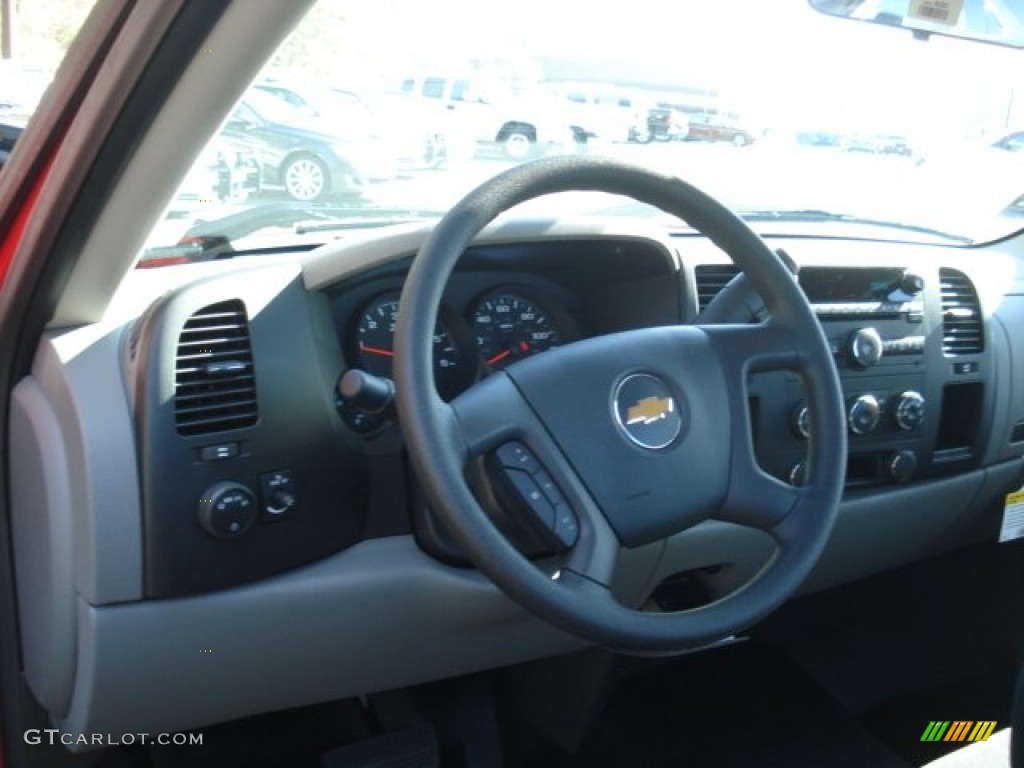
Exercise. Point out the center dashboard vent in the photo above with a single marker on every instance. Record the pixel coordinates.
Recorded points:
(215, 383)
(711, 279)
(962, 325)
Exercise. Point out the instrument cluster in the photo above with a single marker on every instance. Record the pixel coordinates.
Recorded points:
(497, 327)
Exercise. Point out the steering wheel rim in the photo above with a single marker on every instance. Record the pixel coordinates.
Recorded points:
(442, 438)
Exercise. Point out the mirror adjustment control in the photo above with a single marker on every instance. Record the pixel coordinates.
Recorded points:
(277, 495)
(227, 510)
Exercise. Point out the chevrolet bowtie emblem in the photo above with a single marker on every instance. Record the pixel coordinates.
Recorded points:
(649, 410)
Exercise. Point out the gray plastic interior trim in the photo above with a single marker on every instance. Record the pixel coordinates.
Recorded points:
(380, 615)
(41, 504)
(875, 530)
(80, 374)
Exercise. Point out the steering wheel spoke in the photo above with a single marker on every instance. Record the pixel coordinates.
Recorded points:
(756, 499)
(492, 420)
(746, 349)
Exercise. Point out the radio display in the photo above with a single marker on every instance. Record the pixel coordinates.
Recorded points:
(824, 285)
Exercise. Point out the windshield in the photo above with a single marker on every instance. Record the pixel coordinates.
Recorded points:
(374, 113)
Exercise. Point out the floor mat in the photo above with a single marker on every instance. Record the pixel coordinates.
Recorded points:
(745, 706)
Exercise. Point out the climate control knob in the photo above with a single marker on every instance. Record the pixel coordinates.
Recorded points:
(902, 465)
(909, 411)
(864, 414)
(800, 420)
(227, 510)
(864, 348)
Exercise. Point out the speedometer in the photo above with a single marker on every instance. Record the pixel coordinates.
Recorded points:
(375, 342)
(509, 327)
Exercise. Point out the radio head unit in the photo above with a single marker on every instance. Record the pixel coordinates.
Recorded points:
(862, 291)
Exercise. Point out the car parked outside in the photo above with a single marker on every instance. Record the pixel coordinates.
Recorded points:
(718, 128)
(351, 113)
(665, 123)
(305, 156)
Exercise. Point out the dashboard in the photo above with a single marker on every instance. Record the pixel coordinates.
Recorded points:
(241, 491)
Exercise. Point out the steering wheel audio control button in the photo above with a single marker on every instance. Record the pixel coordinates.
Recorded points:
(548, 486)
(532, 496)
(515, 455)
(566, 527)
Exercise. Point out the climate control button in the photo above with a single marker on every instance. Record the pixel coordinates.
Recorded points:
(909, 410)
(800, 420)
(864, 414)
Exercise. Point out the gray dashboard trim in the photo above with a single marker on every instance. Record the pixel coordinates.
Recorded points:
(380, 615)
(96, 430)
(41, 524)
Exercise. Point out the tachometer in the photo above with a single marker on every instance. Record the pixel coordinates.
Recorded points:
(375, 342)
(509, 327)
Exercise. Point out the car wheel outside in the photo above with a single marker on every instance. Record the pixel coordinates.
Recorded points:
(517, 145)
(306, 179)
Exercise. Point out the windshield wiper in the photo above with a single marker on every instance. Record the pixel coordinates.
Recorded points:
(814, 215)
(302, 217)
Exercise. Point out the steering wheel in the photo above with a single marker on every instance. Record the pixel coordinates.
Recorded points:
(643, 433)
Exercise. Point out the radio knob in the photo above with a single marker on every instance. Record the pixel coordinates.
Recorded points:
(909, 411)
(864, 414)
(912, 283)
(800, 420)
(864, 348)
(902, 465)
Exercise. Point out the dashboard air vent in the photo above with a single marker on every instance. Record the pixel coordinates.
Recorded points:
(962, 326)
(712, 278)
(215, 385)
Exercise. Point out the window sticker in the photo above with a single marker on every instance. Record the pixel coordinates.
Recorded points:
(936, 11)
(1013, 516)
